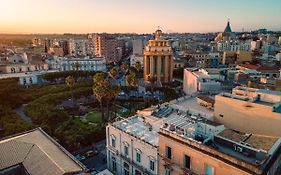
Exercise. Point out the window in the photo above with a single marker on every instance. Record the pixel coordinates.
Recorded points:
(126, 169)
(167, 171)
(186, 161)
(113, 141)
(114, 167)
(138, 157)
(168, 152)
(126, 150)
(209, 170)
(152, 165)
(137, 172)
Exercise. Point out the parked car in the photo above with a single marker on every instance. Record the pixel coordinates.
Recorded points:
(80, 158)
(92, 153)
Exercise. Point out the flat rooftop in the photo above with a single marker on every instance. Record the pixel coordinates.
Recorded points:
(224, 143)
(264, 91)
(254, 141)
(137, 127)
(190, 104)
(38, 154)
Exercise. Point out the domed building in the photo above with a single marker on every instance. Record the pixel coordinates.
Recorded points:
(158, 60)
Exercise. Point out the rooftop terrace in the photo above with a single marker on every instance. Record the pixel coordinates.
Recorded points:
(137, 127)
(215, 139)
(190, 104)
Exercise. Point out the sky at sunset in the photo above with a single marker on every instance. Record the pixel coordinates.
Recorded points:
(138, 16)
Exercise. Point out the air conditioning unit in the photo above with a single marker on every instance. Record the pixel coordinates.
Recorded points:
(239, 149)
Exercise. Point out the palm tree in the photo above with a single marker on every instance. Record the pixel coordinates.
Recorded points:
(104, 90)
(75, 67)
(112, 72)
(70, 83)
(138, 66)
(152, 82)
(124, 67)
(98, 78)
(131, 79)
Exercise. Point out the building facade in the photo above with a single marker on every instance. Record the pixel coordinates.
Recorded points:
(21, 67)
(201, 81)
(250, 110)
(85, 64)
(193, 147)
(107, 46)
(132, 146)
(158, 60)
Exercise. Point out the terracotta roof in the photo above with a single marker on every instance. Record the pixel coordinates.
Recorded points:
(259, 68)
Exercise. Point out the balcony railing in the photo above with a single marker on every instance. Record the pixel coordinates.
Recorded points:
(136, 165)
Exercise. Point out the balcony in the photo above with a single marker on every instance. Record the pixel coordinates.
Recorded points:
(112, 149)
(186, 171)
(136, 165)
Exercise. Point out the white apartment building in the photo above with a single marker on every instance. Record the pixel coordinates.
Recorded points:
(234, 46)
(138, 47)
(85, 64)
(201, 81)
(137, 56)
(132, 145)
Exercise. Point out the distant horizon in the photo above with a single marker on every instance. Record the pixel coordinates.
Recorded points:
(133, 16)
(174, 32)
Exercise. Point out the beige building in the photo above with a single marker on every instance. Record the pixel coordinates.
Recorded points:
(236, 57)
(106, 46)
(190, 145)
(250, 110)
(177, 138)
(21, 67)
(158, 59)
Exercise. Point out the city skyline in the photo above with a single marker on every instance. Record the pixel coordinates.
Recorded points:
(127, 16)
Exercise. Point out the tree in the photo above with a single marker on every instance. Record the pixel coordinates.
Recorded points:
(98, 78)
(112, 72)
(76, 67)
(70, 83)
(131, 79)
(138, 66)
(152, 82)
(124, 67)
(104, 91)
